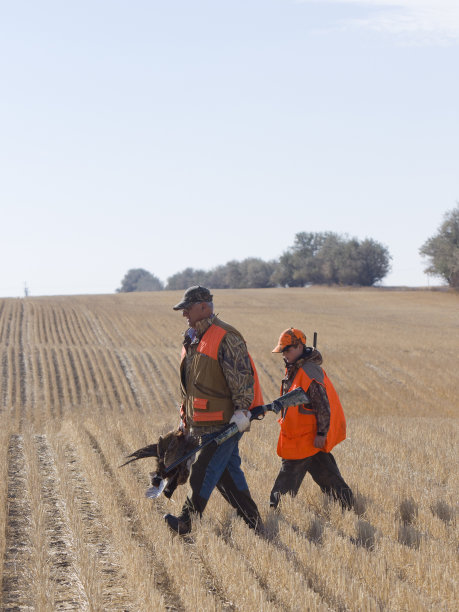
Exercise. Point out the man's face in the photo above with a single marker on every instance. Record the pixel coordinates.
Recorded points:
(292, 353)
(195, 312)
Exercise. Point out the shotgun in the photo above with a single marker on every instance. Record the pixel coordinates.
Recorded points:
(292, 398)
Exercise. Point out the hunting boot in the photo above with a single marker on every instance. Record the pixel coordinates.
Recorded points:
(177, 524)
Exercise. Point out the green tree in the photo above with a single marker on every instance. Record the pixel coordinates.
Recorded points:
(374, 262)
(299, 264)
(256, 273)
(328, 258)
(233, 274)
(442, 249)
(138, 279)
(284, 270)
(187, 278)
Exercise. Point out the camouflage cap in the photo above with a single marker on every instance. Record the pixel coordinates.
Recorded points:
(290, 337)
(194, 295)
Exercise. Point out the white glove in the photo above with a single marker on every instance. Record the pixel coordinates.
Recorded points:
(242, 420)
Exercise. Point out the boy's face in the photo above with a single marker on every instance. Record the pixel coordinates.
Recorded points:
(292, 353)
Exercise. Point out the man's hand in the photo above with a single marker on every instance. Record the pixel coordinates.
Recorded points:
(319, 440)
(242, 420)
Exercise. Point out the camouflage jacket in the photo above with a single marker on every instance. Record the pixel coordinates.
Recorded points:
(234, 361)
(317, 394)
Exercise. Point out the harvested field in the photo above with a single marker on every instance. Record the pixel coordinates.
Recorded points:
(84, 380)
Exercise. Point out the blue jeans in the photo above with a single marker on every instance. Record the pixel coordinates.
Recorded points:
(220, 466)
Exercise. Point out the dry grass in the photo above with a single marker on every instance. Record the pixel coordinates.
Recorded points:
(84, 380)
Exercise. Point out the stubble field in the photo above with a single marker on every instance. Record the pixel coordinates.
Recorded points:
(84, 380)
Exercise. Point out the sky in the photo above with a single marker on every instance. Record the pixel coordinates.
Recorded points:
(188, 133)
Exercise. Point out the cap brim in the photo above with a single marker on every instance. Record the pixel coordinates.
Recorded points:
(277, 349)
(180, 306)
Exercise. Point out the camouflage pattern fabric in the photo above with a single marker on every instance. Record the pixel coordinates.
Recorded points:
(194, 295)
(318, 396)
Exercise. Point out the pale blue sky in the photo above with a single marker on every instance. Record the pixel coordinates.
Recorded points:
(166, 134)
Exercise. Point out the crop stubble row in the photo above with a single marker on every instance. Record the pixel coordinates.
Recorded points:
(64, 364)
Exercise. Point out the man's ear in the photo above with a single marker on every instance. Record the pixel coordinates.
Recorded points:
(204, 309)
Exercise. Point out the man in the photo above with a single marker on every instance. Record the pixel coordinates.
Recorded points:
(218, 386)
(309, 432)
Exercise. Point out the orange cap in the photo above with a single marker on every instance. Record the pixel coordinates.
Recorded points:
(290, 337)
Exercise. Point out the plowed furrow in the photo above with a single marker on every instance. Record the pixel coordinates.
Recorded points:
(161, 381)
(29, 323)
(108, 330)
(71, 338)
(4, 385)
(94, 536)
(28, 401)
(40, 331)
(15, 330)
(81, 330)
(96, 335)
(4, 442)
(127, 369)
(68, 380)
(147, 392)
(94, 386)
(152, 376)
(22, 358)
(12, 375)
(45, 391)
(37, 369)
(106, 373)
(121, 383)
(170, 371)
(67, 337)
(15, 581)
(6, 327)
(57, 376)
(68, 590)
(83, 377)
(51, 385)
(49, 327)
(75, 375)
(56, 325)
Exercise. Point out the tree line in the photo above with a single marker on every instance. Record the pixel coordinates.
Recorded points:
(314, 258)
(323, 258)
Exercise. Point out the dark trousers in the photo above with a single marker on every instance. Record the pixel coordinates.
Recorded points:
(220, 466)
(324, 471)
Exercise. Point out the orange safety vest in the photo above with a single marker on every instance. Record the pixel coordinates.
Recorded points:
(299, 426)
(208, 398)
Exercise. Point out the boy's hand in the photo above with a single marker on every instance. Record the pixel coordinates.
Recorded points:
(319, 440)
